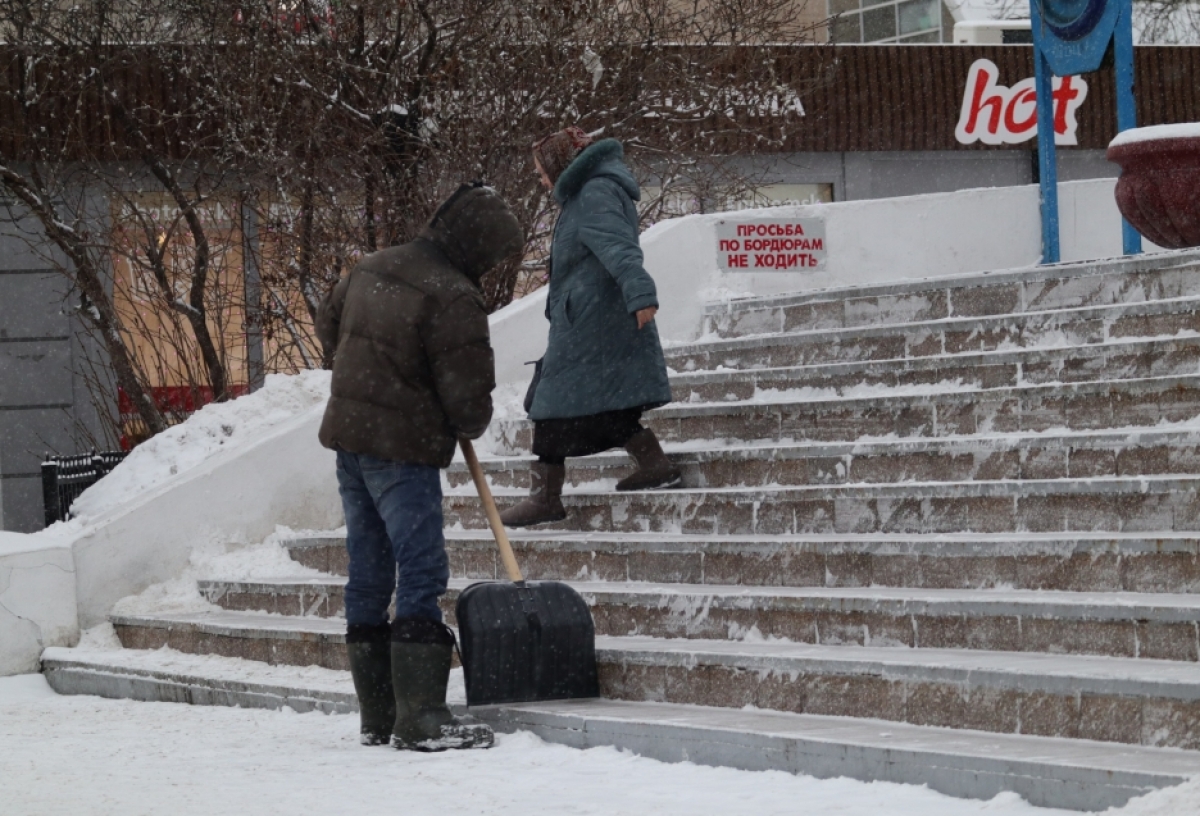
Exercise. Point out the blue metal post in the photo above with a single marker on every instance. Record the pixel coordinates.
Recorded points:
(1047, 160)
(1126, 108)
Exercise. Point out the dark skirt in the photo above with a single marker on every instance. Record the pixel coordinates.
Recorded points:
(585, 435)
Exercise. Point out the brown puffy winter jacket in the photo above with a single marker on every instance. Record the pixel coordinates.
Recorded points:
(412, 361)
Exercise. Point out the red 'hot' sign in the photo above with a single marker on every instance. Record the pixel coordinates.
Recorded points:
(995, 115)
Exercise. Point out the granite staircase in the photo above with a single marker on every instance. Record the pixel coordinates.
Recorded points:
(943, 532)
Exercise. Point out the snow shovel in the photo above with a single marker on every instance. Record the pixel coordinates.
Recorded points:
(524, 641)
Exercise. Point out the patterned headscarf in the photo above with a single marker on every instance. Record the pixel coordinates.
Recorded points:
(556, 151)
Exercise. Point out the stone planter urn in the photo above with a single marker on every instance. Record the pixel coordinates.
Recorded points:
(1159, 188)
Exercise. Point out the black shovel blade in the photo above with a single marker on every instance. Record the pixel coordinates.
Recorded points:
(526, 642)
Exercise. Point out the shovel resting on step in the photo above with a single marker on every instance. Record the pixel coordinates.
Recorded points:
(522, 641)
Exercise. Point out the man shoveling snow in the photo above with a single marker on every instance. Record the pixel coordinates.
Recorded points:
(413, 371)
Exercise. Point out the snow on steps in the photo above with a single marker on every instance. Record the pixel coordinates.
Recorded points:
(1111, 699)
(1061, 286)
(1127, 504)
(976, 371)
(1077, 561)
(1089, 775)
(1049, 772)
(1148, 626)
(926, 411)
(1057, 328)
(1080, 454)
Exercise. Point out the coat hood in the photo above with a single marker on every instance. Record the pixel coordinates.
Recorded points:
(601, 159)
(475, 229)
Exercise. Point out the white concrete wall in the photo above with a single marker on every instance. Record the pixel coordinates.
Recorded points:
(37, 600)
(519, 334)
(62, 580)
(236, 497)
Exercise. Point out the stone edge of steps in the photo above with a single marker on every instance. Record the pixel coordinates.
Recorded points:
(1042, 605)
(1158, 261)
(1020, 671)
(1155, 484)
(67, 674)
(896, 397)
(940, 544)
(958, 763)
(1071, 774)
(691, 454)
(932, 363)
(710, 344)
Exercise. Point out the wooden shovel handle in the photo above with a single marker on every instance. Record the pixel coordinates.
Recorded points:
(493, 515)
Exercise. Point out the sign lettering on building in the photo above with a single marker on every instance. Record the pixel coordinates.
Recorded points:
(771, 245)
(997, 115)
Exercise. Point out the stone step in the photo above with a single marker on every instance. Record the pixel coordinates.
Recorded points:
(910, 413)
(981, 456)
(1141, 504)
(1059, 286)
(1048, 772)
(1154, 627)
(284, 595)
(170, 676)
(274, 640)
(1080, 562)
(1172, 357)
(945, 336)
(1110, 699)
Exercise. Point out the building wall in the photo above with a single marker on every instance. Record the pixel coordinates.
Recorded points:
(45, 406)
(884, 174)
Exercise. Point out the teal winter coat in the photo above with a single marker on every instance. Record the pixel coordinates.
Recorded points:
(597, 359)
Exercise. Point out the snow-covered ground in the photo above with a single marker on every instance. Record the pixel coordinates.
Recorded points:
(90, 756)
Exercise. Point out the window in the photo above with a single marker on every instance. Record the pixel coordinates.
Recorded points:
(918, 15)
(879, 24)
(781, 195)
(886, 21)
(846, 29)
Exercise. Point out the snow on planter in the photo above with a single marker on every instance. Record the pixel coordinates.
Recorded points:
(1159, 188)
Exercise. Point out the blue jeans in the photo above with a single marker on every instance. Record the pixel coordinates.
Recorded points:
(394, 537)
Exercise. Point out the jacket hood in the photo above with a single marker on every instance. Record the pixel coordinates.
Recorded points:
(475, 229)
(600, 159)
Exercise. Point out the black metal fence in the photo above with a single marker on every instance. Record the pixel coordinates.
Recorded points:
(65, 477)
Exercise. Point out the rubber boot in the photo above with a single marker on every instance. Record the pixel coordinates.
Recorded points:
(545, 498)
(655, 470)
(370, 652)
(421, 655)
